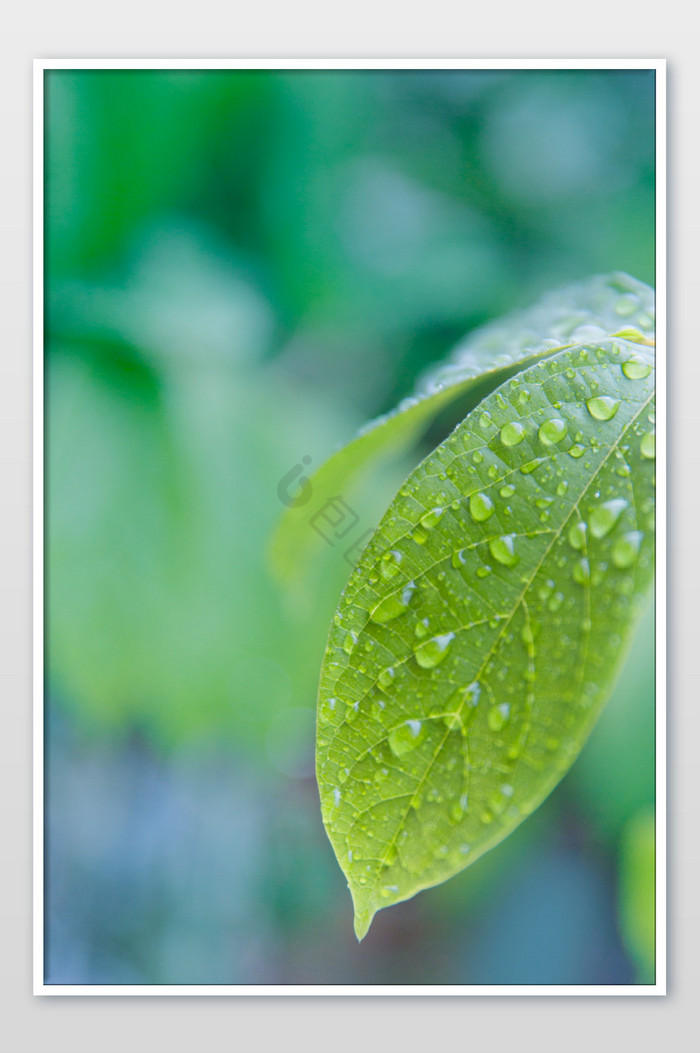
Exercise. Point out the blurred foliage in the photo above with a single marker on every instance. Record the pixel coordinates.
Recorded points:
(241, 267)
(638, 892)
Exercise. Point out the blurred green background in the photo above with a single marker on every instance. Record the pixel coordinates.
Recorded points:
(241, 268)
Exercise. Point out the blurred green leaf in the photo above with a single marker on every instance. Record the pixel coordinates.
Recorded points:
(480, 633)
(637, 893)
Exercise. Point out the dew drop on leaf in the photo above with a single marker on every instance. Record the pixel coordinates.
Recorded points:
(480, 507)
(389, 566)
(577, 535)
(604, 517)
(434, 651)
(498, 716)
(406, 737)
(386, 677)
(393, 606)
(626, 549)
(582, 572)
(552, 431)
(647, 446)
(603, 407)
(503, 550)
(512, 433)
(636, 369)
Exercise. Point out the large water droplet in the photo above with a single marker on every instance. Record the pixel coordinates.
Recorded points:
(636, 369)
(459, 558)
(647, 446)
(421, 628)
(507, 491)
(603, 407)
(480, 507)
(552, 431)
(604, 517)
(498, 716)
(554, 602)
(434, 651)
(626, 549)
(432, 517)
(406, 737)
(577, 535)
(386, 677)
(389, 566)
(512, 433)
(393, 606)
(582, 572)
(503, 550)
(349, 641)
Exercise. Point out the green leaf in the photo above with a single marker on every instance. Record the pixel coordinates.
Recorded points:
(482, 628)
(592, 309)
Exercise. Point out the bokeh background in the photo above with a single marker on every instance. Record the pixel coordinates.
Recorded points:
(241, 268)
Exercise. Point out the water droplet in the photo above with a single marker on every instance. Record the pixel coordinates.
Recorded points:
(336, 796)
(485, 421)
(507, 491)
(636, 368)
(526, 469)
(512, 433)
(389, 566)
(349, 642)
(477, 457)
(498, 716)
(604, 517)
(421, 628)
(626, 549)
(459, 558)
(351, 712)
(503, 550)
(419, 535)
(434, 651)
(603, 407)
(432, 517)
(582, 572)
(393, 606)
(482, 572)
(562, 487)
(480, 507)
(406, 737)
(552, 431)
(577, 535)
(555, 602)
(647, 446)
(386, 677)
(576, 450)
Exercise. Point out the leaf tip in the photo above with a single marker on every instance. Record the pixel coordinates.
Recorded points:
(363, 920)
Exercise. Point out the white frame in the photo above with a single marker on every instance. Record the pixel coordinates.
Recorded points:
(39, 986)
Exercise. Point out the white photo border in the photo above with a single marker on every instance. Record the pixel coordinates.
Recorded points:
(41, 66)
